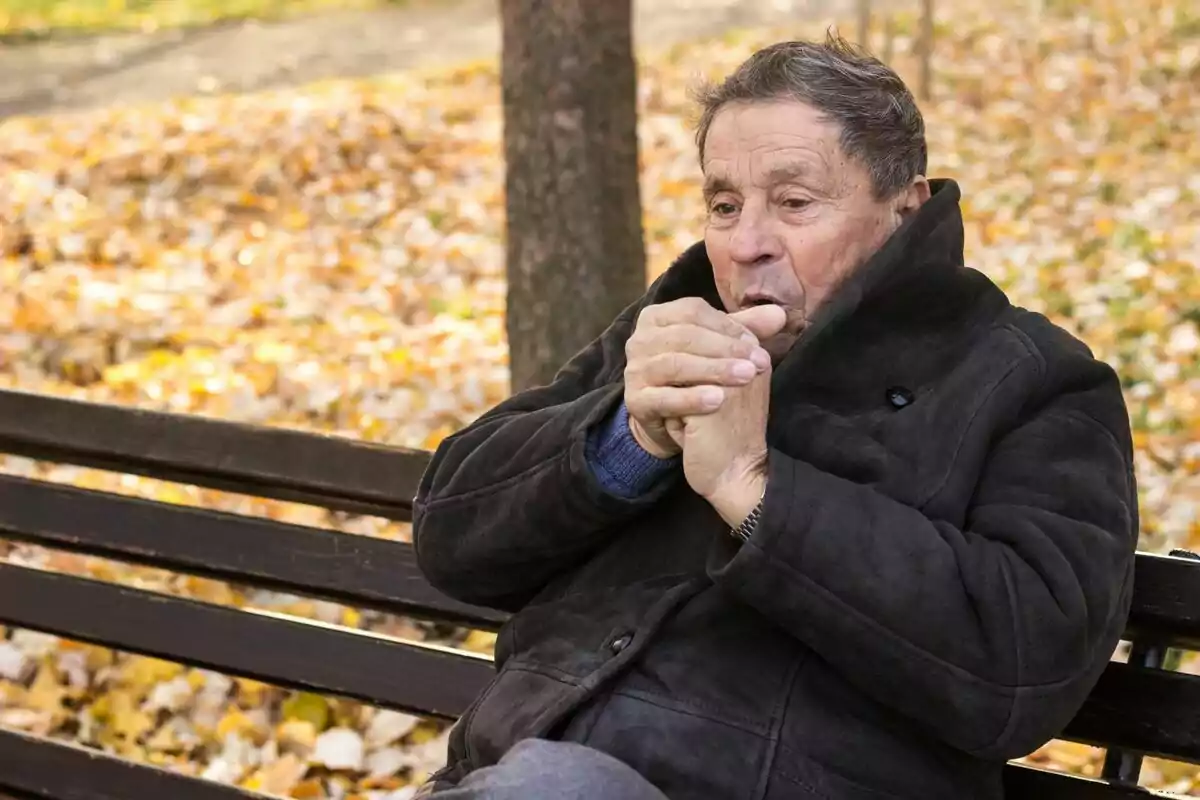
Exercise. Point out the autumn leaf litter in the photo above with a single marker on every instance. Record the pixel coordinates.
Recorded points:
(331, 259)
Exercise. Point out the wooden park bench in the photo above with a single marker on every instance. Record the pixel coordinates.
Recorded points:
(1136, 709)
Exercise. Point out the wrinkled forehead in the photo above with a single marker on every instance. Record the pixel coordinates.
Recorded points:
(768, 142)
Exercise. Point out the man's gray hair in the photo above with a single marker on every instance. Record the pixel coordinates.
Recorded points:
(881, 125)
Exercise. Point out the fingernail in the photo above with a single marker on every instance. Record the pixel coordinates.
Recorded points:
(761, 358)
(747, 336)
(712, 397)
(744, 370)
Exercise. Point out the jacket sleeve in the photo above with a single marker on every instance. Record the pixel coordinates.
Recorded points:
(509, 502)
(989, 636)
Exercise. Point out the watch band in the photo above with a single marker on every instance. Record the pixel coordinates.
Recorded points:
(748, 525)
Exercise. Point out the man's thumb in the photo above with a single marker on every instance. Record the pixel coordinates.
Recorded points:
(763, 321)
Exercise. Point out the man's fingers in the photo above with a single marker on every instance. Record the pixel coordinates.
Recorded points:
(697, 341)
(686, 369)
(691, 311)
(763, 321)
(675, 401)
(675, 430)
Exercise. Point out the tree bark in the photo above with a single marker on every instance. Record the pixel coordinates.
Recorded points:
(575, 251)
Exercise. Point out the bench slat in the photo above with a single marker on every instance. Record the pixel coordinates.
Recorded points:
(1147, 710)
(34, 767)
(350, 475)
(1166, 601)
(331, 471)
(1131, 708)
(42, 768)
(296, 654)
(37, 767)
(347, 568)
(377, 573)
(1031, 783)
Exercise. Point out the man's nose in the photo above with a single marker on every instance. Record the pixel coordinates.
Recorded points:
(754, 242)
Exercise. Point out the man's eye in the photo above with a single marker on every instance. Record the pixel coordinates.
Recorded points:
(796, 203)
(724, 209)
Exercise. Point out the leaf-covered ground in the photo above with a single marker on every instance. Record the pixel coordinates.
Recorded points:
(331, 259)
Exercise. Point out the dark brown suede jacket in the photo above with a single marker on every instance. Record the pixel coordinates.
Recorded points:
(942, 568)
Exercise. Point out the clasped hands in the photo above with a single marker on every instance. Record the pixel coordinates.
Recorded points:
(697, 382)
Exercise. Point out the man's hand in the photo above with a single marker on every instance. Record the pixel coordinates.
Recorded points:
(725, 452)
(682, 359)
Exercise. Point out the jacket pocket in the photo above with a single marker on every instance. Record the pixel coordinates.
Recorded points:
(512, 708)
(837, 744)
(686, 754)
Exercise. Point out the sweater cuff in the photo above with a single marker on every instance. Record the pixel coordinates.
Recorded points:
(621, 465)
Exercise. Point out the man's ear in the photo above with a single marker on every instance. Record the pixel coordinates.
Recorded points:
(912, 196)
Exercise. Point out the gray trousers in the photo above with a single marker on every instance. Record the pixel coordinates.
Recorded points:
(537, 769)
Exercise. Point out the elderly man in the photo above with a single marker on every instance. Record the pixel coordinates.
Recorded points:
(822, 515)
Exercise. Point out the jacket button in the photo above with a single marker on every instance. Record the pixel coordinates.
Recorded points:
(899, 397)
(620, 643)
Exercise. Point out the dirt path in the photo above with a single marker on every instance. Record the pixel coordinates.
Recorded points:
(64, 75)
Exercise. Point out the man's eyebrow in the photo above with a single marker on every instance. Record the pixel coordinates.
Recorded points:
(714, 184)
(788, 172)
(782, 173)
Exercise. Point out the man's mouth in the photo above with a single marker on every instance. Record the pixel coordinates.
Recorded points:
(751, 300)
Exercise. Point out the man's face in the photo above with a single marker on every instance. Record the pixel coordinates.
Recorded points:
(790, 215)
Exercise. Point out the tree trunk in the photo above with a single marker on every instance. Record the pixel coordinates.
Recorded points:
(576, 256)
(864, 23)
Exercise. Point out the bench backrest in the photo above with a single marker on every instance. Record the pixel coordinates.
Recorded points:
(1135, 709)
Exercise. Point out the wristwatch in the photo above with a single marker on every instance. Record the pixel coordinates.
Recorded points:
(748, 525)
